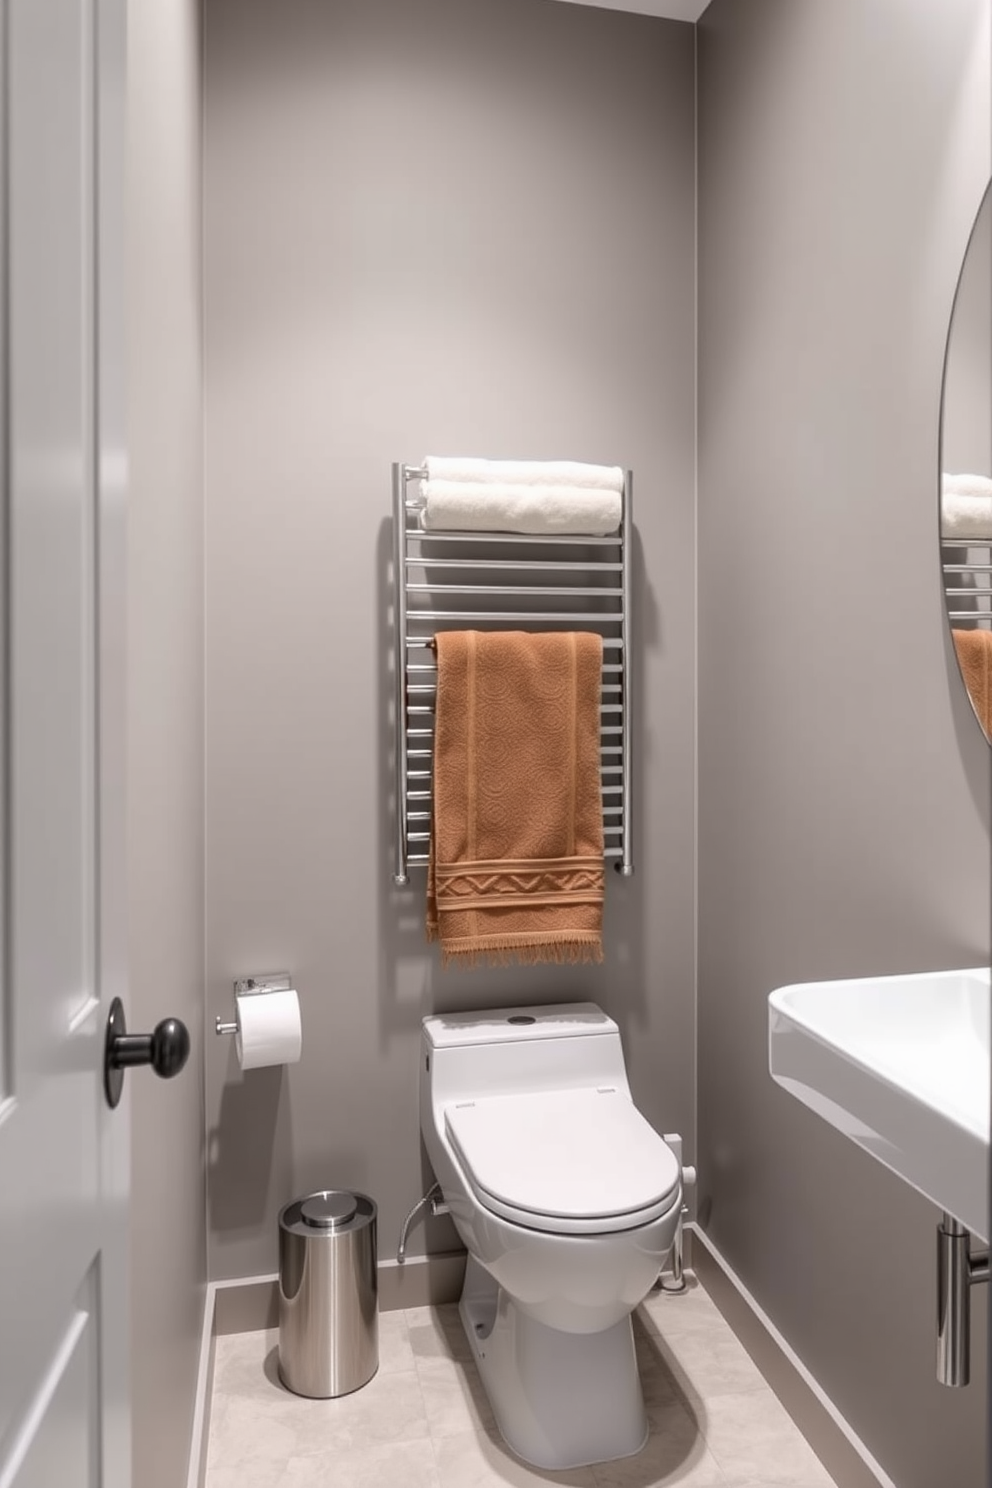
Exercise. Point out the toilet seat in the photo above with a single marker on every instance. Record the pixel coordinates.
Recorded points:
(566, 1161)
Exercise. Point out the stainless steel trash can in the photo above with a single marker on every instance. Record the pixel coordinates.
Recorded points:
(328, 1293)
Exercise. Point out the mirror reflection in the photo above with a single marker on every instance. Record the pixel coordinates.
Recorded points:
(966, 469)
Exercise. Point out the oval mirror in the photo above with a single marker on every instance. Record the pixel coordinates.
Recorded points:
(966, 469)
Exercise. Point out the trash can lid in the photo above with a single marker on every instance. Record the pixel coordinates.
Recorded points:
(324, 1211)
(330, 1212)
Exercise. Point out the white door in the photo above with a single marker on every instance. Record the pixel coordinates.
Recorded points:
(63, 1152)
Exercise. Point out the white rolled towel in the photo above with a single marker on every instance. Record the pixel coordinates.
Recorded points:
(570, 473)
(965, 485)
(479, 506)
(966, 516)
(966, 507)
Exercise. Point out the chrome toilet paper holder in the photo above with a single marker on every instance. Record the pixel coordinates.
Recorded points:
(246, 986)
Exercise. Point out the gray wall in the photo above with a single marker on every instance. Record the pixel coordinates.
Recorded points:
(843, 780)
(452, 226)
(165, 724)
(967, 408)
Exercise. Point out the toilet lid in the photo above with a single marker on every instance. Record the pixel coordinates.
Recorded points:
(565, 1156)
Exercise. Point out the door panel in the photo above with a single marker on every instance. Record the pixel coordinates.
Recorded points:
(52, 478)
(63, 1154)
(58, 1442)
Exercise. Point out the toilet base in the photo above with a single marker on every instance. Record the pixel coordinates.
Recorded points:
(561, 1400)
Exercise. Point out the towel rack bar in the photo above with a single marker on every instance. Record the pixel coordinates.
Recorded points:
(429, 669)
(399, 680)
(515, 565)
(428, 795)
(429, 689)
(608, 831)
(952, 568)
(606, 790)
(419, 860)
(428, 732)
(975, 615)
(524, 617)
(604, 749)
(425, 816)
(424, 710)
(539, 540)
(584, 580)
(626, 864)
(962, 591)
(609, 642)
(542, 591)
(966, 542)
(607, 811)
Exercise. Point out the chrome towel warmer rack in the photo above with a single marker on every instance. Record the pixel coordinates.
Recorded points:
(487, 580)
(957, 592)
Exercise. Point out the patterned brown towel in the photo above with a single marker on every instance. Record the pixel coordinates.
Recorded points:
(516, 855)
(974, 648)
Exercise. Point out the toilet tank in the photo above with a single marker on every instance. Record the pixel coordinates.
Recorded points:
(506, 1051)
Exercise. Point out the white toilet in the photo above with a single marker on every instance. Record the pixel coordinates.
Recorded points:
(567, 1201)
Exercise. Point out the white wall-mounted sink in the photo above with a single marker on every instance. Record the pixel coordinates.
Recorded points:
(901, 1066)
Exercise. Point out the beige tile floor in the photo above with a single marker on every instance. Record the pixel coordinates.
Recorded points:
(424, 1421)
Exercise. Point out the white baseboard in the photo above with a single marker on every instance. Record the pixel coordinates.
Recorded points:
(246, 1304)
(197, 1472)
(838, 1447)
(421, 1281)
(249, 1303)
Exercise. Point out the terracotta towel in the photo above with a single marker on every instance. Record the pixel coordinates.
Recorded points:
(516, 854)
(974, 648)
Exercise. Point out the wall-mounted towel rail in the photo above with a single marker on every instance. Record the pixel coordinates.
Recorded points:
(564, 582)
(974, 614)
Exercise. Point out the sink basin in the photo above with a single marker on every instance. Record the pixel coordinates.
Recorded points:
(900, 1065)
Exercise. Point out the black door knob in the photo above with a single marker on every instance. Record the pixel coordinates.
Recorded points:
(166, 1050)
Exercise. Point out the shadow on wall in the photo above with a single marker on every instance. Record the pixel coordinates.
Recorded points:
(251, 1149)
(240, 1172)
(410, 981)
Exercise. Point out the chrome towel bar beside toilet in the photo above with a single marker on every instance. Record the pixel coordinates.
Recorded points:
(578, 581)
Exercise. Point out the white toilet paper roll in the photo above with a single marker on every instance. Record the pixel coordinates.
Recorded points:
(269, 1029)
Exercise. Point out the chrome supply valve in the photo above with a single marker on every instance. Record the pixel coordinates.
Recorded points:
(677, 1283)
(433, 1200)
